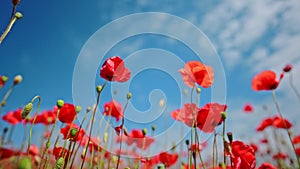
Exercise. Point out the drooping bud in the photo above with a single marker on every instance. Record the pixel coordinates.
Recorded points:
(60, 103)
(129, 95)
(59, 163)
(153, 127)
(26, 110)
(18, 79)
(25, 163)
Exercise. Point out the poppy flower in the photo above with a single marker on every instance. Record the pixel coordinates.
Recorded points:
(46, 117)
(264, 124)
(266, 165)
(198, 147)
(296, 139)
(168, 159)
(185, 114)
(13, 117)
(113, 69)
(149, 162)
(72, 132)
(136, 136)
(278, 122)
(196, 72)
(6, 153)
(242, 155)
(248, 108)
(33, 150)
(280, 155)
(60, 152)
(265, 80)
(113, 109)
(210, 116)
(67, 113)
(298, 151)
(287, 68)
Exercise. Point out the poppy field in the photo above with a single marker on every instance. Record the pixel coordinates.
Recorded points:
(99, 136)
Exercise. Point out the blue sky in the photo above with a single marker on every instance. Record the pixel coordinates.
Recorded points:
(248, 36)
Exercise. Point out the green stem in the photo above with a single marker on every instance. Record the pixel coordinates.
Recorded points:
(3, 102)
(8, 28)
(224, 142)
(121, 133)
(285, 126)
(92, 122)
(31, 126)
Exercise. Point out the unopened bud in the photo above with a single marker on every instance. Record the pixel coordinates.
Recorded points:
(230, 137)
(287, 68)
(198, 89)
(129, 95)
(25, 163)
(144, 131)
(187, 142)
(223, 115)
(18, 79)
(60, 103)
(99, 88)
(59, 163)
(88, 109)
(73, 132)
(78, 109)
(47, 144)
(15, 2)
(161, 166)
(153, 128)
(4, 78)
(26, 110)
(19, 15)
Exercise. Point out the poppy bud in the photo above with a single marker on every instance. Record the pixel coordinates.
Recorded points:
(144, 131)
(99, 88)
(15, 2)
(230, 137)
(60, 103)
(4, 78)
(129, 95)
(105, 137)
(223, 115)
(59, 163)
(47, 144)
(18, 79)
(88, 109)
(19, 15)
(26, 110)
(78, 109)
(161, 166)
(287, 68)
(25, 163)
(73, 132)
(198, 90)
(153, 128)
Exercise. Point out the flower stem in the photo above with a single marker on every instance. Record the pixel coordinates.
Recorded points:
(36, 113)
(8, 28)
(92, 122)
(121, 133)
(3, 102)
(224, 141)
(285, 126)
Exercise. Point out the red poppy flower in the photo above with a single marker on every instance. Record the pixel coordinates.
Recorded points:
(248, 108)
(136, 136)
(210, 116)
(279, 155)
(185, 114)
(33, 150)
(281, 123)
(60, 152)
(113, 109)
(150, 162)
(168, 159)
(6, 153)
(266, 165)
(296, 139)
(113, 69)
(13, 117)
(72, 132)
(198, 147)
(242, 155)
(265, 80)
(46, 117)
(298, 151)
(264, 124)
(67, 113)
(197, 72)
(287, 68)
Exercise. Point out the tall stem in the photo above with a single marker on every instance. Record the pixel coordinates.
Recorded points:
(285, 126)
(121, 132)
(36, 113)
(293, 86)
(3, 102)
(92, 122)
(8, 28)
(224, 142)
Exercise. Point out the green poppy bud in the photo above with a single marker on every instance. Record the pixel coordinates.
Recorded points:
(73, 132)
(129, 95)
(26, 110)
(4, 78)
(99, 88)
(25, 163)
(60, 103)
